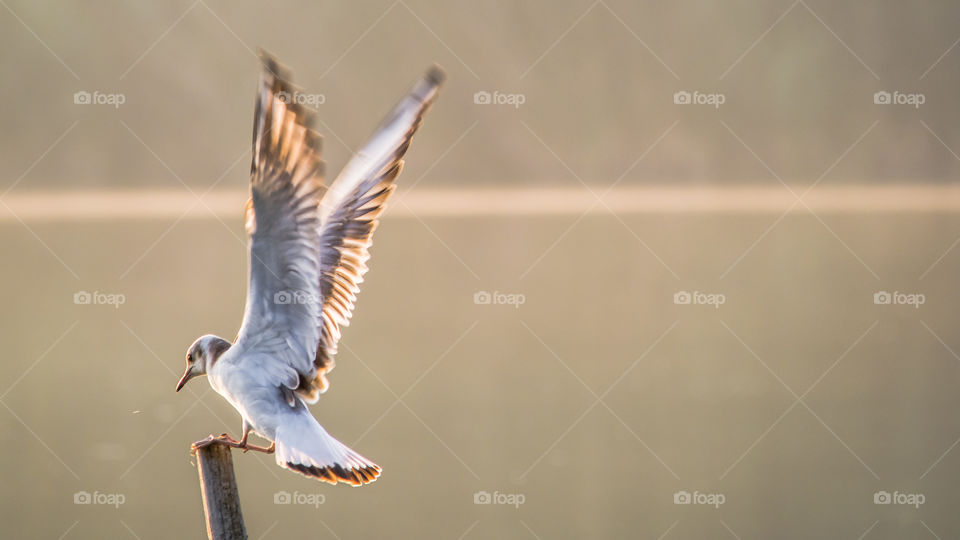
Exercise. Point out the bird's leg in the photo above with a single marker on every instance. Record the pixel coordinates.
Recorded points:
(245, 430)
(246, 447)
(266, 450)
(227, 440)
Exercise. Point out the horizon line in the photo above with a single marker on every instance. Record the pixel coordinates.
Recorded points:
(149, 204)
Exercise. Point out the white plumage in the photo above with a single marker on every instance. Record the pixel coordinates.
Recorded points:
(308, 252)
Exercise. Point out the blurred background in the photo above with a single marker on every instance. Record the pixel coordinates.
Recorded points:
(653, 270)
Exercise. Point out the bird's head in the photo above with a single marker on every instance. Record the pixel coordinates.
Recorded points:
(201, 356)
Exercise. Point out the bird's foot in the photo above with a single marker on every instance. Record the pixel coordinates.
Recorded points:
(223, 438)
(246, 447)
(227, 440)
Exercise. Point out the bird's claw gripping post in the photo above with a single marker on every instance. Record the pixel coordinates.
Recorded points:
(227, 440)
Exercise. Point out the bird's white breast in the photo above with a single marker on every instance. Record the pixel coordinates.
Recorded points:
(241, 384)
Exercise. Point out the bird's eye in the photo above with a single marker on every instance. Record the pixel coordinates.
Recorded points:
(190, 358)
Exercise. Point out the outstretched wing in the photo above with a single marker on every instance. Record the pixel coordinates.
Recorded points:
(282, 217)
(348, 217)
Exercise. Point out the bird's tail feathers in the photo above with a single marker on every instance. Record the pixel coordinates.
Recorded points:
(314, 452)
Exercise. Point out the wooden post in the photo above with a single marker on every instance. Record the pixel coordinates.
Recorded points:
(221, 499)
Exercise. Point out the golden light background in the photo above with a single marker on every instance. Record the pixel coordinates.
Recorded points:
(787, 207)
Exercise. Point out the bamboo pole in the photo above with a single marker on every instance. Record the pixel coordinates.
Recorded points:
(221, 499)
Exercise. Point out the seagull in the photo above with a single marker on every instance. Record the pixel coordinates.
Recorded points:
(308, 246)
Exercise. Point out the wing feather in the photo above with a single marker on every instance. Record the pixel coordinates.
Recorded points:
(349, 213)
(282, 217)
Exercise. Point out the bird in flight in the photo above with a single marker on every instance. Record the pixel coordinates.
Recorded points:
(308, 246)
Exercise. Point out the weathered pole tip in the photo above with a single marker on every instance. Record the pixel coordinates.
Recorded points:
(221, 498)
